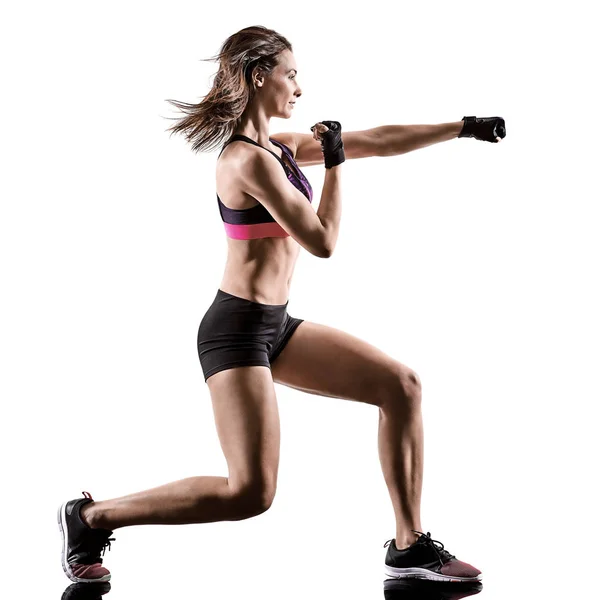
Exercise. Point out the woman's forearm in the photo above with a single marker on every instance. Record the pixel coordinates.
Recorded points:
(399, 139)
(330, 207)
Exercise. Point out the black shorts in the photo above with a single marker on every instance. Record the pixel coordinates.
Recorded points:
(236, 332)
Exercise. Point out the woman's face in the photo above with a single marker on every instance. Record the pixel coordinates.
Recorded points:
(281, 87)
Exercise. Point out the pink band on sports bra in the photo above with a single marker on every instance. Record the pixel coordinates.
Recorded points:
(257, 230)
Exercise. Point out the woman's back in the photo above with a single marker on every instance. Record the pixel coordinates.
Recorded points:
(261, 255)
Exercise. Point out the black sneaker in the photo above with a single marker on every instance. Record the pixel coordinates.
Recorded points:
(82, 545)
(424, 560)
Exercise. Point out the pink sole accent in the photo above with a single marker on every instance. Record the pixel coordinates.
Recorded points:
(94, 572)
(458, 568)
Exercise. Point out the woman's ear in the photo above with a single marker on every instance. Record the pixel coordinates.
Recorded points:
(258, 78)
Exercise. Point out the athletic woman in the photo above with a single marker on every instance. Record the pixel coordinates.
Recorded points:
(247, 341)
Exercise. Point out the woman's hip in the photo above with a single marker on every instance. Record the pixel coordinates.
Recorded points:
(236, 331)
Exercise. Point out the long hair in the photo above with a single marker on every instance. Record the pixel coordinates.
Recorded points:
(213, 120)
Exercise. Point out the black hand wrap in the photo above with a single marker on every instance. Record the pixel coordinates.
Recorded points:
(486, 129)
(332, 144)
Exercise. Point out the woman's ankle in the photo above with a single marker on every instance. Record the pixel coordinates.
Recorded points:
(89, 515)
(402, 543)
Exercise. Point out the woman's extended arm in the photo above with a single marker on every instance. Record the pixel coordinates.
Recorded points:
(385, 140)
(390, 140)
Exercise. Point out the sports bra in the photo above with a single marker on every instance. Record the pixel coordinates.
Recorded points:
(256, 221)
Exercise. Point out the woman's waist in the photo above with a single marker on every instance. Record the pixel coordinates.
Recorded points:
(272, 291)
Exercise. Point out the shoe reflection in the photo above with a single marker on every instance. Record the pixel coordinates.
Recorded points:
(421, 589)
(393, 589)
(86, 591)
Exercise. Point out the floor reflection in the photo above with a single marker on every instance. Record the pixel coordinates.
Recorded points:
(421, 589)
(401, 589)
(86, 591)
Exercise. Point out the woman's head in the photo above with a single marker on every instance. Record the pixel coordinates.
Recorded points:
(274, 90)
(257, 70)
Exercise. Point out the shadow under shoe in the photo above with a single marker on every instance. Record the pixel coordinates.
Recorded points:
(82, 545)
(85, 591)
(421, 589)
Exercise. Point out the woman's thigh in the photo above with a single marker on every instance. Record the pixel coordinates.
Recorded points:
(329, 362)
(247, 421)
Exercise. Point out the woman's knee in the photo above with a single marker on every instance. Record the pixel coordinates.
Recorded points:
(403, 389)
(254, 499)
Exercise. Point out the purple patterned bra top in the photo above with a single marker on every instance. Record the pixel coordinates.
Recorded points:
(256, 221)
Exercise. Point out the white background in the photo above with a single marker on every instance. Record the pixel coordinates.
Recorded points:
(473, 263)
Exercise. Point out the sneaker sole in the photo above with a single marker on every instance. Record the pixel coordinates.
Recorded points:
(418, 573)
(62, 525)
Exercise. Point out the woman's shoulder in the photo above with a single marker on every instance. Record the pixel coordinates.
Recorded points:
(288, 139)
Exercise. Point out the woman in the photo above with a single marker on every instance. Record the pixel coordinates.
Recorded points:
(247, 340)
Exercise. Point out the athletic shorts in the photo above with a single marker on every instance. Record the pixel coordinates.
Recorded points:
(236, 332)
